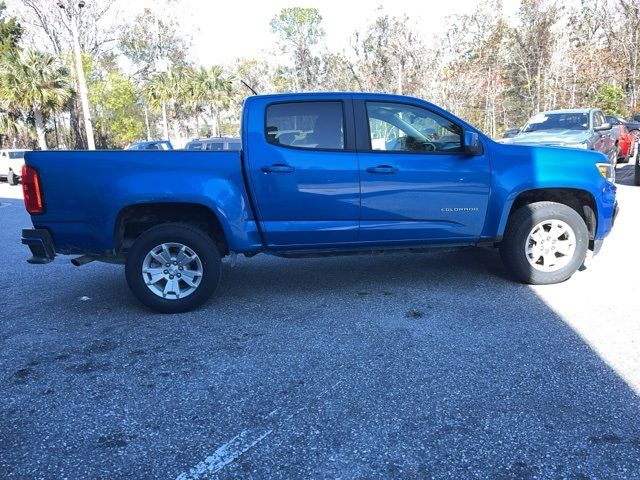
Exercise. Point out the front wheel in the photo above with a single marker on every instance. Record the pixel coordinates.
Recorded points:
(544, 243)
(173, 268)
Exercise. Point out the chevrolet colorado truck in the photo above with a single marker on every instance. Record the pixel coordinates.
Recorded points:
(318, 174)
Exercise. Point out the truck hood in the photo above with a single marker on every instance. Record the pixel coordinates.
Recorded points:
(549, 137)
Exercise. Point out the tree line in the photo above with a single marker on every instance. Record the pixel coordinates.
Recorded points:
(491, 70)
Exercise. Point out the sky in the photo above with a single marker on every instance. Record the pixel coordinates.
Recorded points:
(224, 30)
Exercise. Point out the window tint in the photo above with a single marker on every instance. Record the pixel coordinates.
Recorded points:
(306, 125)
(194, 146)
(16, 155)
(235, 146)
(407, 128)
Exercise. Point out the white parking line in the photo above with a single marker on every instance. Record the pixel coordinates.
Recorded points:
(245, 440)
(226, 454)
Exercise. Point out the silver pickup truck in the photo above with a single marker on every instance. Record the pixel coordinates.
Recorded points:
(584, 128)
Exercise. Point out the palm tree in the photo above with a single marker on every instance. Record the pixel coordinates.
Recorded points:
(167, 88)
(211, 90)
(36, 83)
(157, 93)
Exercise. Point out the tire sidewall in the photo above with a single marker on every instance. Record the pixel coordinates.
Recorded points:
(196, 240)
(517, 258)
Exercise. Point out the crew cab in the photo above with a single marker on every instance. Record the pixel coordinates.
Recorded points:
(355, 173)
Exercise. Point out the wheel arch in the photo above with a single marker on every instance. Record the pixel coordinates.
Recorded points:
(133, 220)
(582, 201)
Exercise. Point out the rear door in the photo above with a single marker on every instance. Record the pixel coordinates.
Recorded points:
(418, 187)
(304, 170)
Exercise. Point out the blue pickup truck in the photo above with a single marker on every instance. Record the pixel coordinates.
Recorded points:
(318, 174)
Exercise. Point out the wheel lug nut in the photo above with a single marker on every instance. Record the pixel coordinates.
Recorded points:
(171, 277)
(166, 272)
(179, 275)
(180, 268)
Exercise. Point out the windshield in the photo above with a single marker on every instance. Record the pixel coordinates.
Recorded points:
(16, 154)
(558, 121)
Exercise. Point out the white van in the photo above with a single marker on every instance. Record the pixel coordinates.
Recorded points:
(11, 162)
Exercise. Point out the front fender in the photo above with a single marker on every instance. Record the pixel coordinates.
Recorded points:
(517, 169)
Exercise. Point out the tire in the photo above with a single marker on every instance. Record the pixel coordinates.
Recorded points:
(205, 260)
(12, 178)
(636, 177)
(518, 237)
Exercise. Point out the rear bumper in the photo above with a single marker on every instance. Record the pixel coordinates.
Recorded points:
(41, 245)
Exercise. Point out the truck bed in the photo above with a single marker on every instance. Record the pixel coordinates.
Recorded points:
(84, 191)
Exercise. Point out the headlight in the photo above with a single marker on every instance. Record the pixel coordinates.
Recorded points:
(607, 170)
(582, 145)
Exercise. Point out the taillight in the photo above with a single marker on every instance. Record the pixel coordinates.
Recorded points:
(31, 190)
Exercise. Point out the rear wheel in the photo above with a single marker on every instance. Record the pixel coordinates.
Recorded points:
(173, 268)
(544, 243)
(636, 177)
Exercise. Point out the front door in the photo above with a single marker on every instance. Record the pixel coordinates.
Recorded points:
(418, 187)
(304, 173)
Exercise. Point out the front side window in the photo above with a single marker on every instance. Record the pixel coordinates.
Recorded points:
(313, 125)
(407, 128)
(15, 155)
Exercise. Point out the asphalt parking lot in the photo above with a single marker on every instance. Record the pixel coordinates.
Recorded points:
(420, 366)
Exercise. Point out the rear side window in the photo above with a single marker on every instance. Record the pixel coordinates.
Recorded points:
(216, 146)
(313, 125)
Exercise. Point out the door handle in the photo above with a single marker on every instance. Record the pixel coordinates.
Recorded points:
(278, 168)
(383, 169)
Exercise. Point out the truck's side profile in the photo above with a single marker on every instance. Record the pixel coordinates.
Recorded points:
(318, 174)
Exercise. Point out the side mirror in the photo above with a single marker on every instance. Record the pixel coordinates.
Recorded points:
(471, 145)
(602, 128)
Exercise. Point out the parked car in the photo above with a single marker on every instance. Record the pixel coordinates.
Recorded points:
(215, 144)
(434, 180)
(585, 129)
(151, 145)
(11, 162)
(632, 126)
(625, 142)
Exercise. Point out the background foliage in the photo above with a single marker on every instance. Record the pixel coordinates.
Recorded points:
(493, 71)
